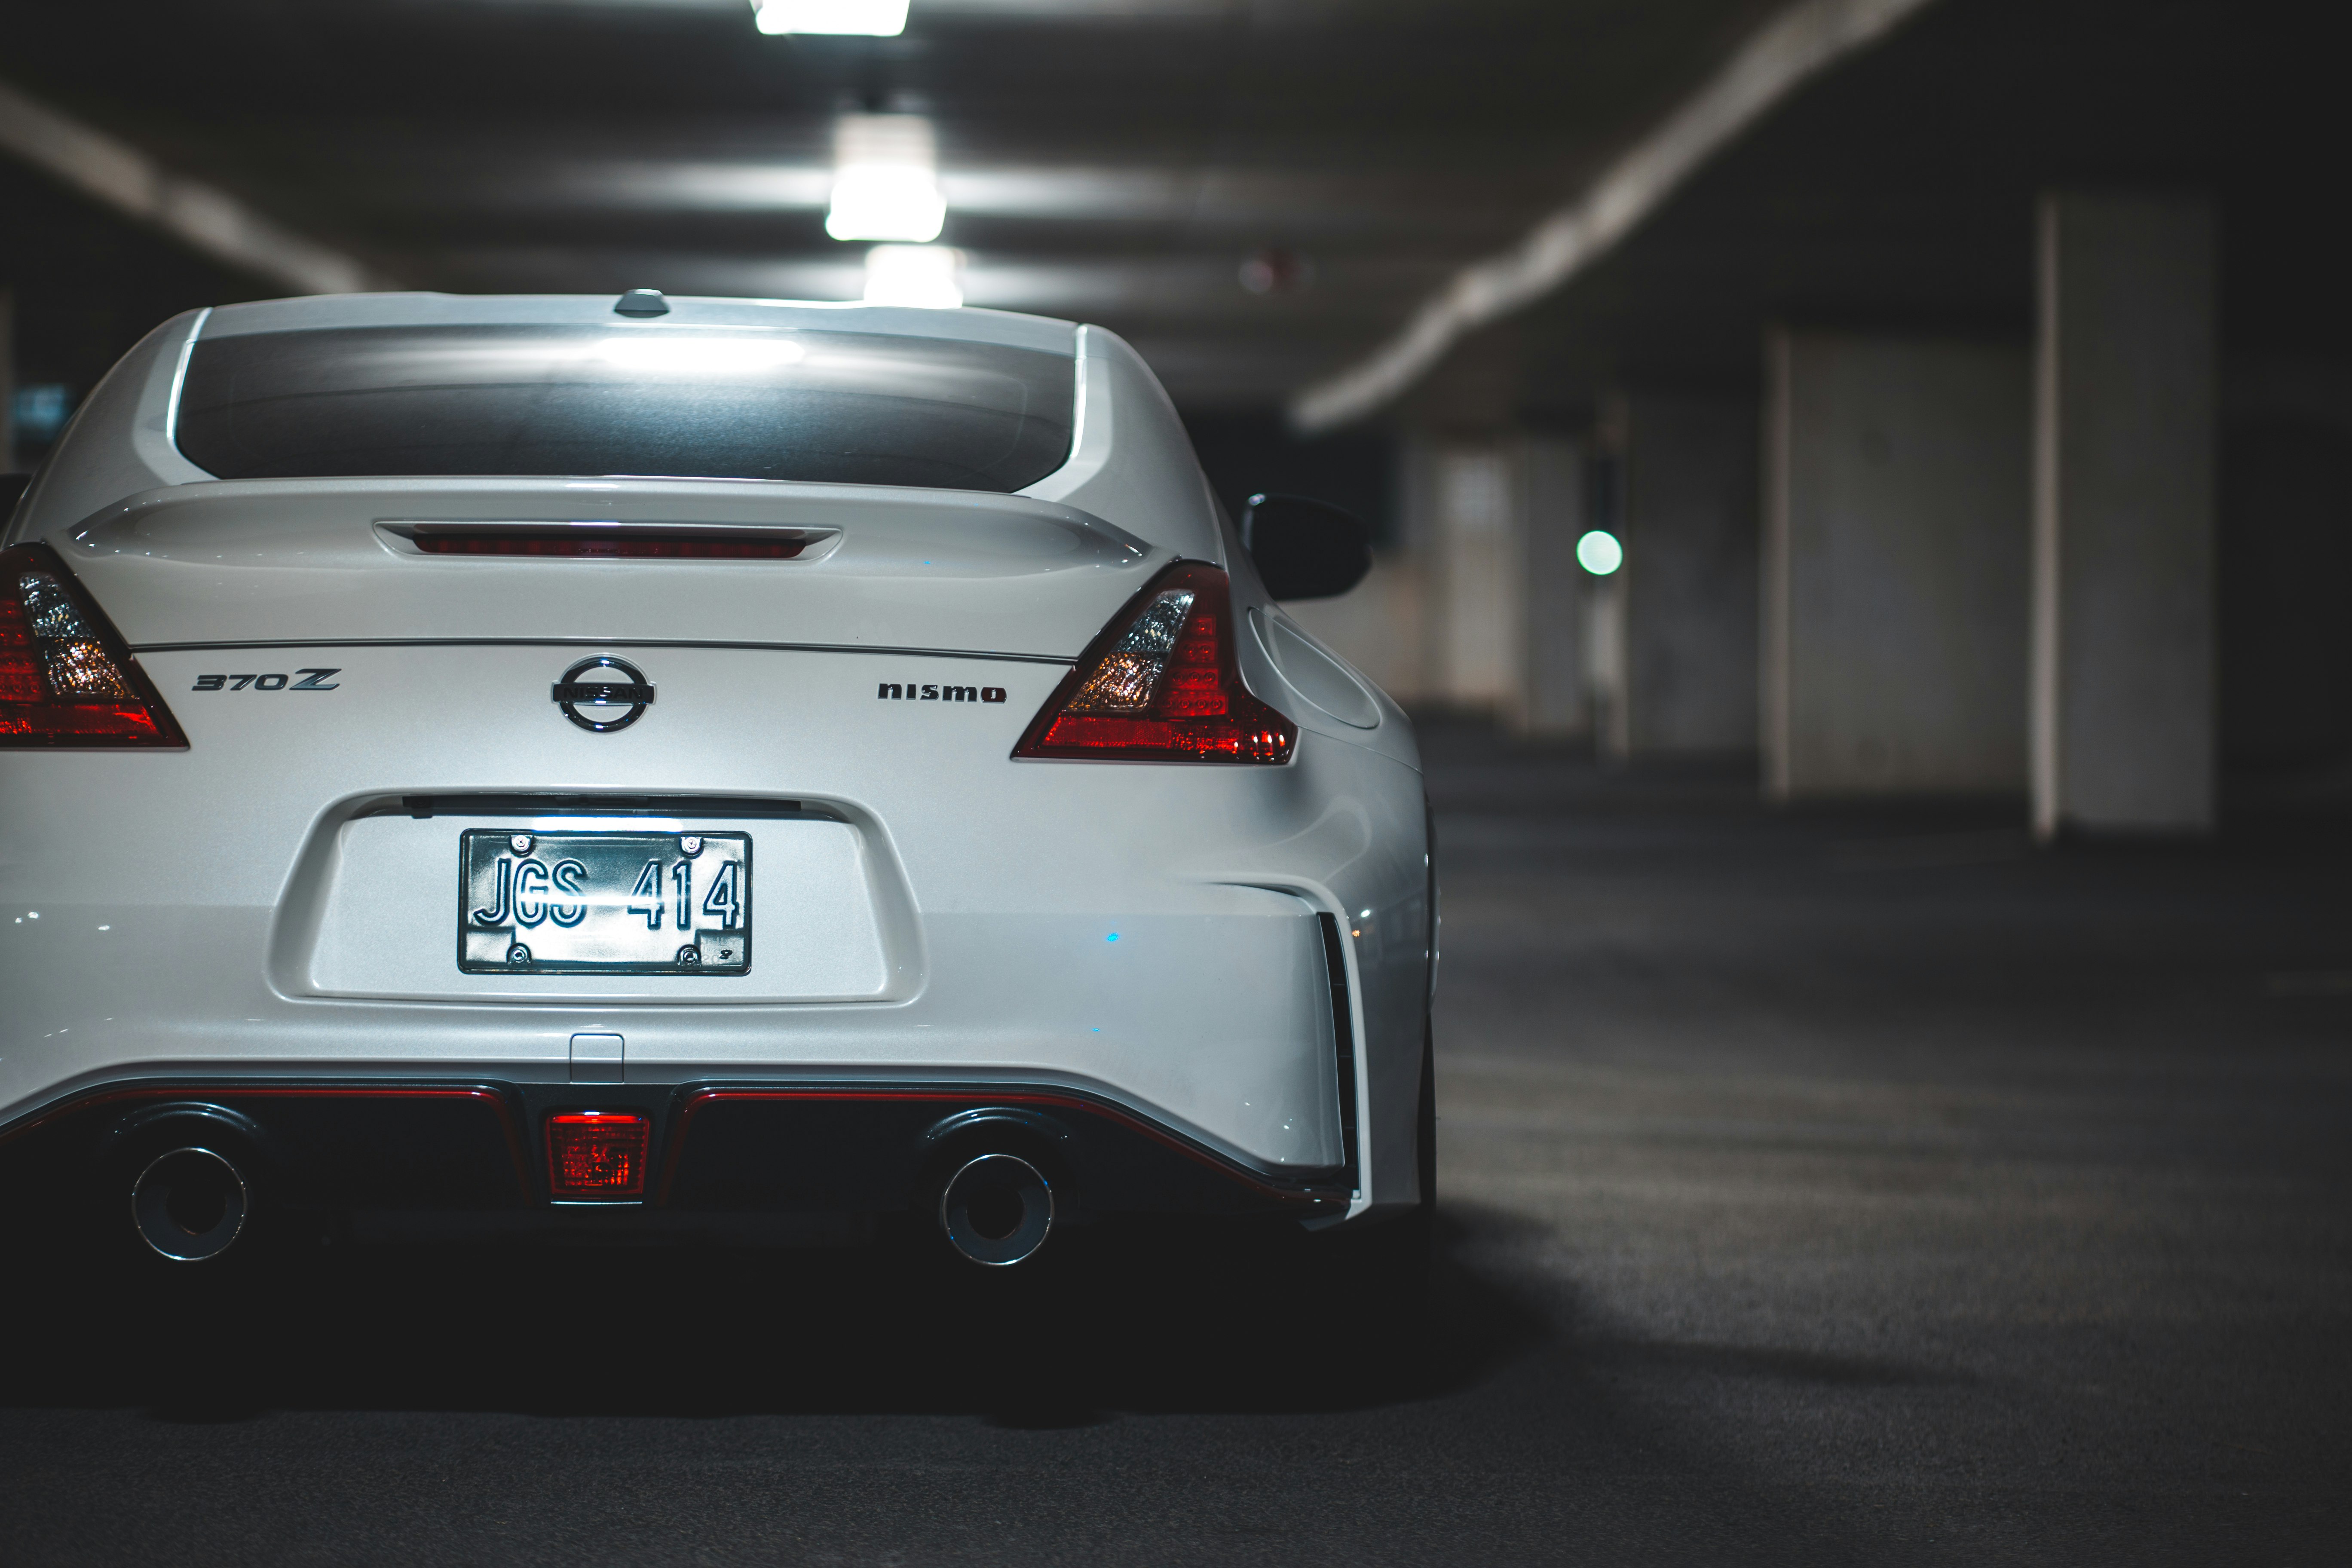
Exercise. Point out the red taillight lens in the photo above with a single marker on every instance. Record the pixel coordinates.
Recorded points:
(65, 680)
(1160, 685)
(596, 1154)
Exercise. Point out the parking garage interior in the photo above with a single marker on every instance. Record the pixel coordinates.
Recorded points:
(1861, 493)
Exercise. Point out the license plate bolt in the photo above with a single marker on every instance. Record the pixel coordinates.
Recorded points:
(521, 842)
(690, 845)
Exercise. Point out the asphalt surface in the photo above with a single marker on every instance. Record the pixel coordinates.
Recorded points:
(1820, 1187)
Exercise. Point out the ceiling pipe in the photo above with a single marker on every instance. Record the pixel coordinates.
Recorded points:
(1803, 40)
(203, 216)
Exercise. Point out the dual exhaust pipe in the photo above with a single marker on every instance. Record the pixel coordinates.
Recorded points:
(996, 1210)
(191, 1203)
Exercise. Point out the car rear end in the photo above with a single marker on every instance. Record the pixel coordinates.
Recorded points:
(480, 766)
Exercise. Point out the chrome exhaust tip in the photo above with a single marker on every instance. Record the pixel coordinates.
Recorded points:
(190, 1204)
(997, 1210)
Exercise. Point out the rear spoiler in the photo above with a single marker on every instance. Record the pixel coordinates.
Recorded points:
(320, 561)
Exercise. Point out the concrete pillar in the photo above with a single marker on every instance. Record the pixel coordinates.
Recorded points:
(1896, 507)
(2123, 684)
(1676, 641)
(1474, 597)
(1604, 615)
(1550, 697)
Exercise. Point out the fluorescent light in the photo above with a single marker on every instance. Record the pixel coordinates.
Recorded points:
(1600, 553)
(929, 276)
(873, 18)
(886, 204)
(884, 180)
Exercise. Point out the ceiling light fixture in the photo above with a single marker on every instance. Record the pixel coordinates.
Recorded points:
(929, 276)
(885, 179)
(871, 18)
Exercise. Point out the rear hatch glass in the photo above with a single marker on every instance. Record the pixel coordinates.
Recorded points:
(672, 402)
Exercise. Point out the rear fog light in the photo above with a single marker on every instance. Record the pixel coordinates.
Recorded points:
(596, 1154)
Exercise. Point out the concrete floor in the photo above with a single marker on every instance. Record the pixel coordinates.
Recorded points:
(1836, 1186)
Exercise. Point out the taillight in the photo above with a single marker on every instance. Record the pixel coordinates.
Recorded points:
(596, 1154)
(65, 680)
(1160, 685)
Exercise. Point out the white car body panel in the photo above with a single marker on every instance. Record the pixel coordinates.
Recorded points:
(276, 899)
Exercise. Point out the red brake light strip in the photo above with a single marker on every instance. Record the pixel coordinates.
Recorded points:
(612, 546)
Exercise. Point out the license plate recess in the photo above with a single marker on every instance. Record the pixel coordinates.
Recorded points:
(604, 903)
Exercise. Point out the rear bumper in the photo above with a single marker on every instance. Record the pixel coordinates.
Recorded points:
(473, 1154)
(280, 902)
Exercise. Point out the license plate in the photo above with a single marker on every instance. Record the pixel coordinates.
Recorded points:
(604, 903)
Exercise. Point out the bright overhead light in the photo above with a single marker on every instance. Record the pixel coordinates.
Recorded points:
(885, 179)
(929, 276)
(873, 18)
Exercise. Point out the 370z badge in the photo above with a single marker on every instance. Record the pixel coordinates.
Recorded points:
(313, 679)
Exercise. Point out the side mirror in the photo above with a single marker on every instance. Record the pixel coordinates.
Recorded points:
(1305, 549)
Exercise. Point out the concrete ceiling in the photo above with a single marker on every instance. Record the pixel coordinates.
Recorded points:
(1110, 160)
(1898, 195)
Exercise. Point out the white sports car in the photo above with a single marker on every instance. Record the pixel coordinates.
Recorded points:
(698, 766)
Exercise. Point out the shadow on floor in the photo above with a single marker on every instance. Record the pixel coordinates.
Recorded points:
(1127, 1320)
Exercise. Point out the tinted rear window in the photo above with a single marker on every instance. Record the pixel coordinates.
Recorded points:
(839, 407)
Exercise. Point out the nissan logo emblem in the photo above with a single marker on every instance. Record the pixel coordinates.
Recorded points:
(602, 705)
